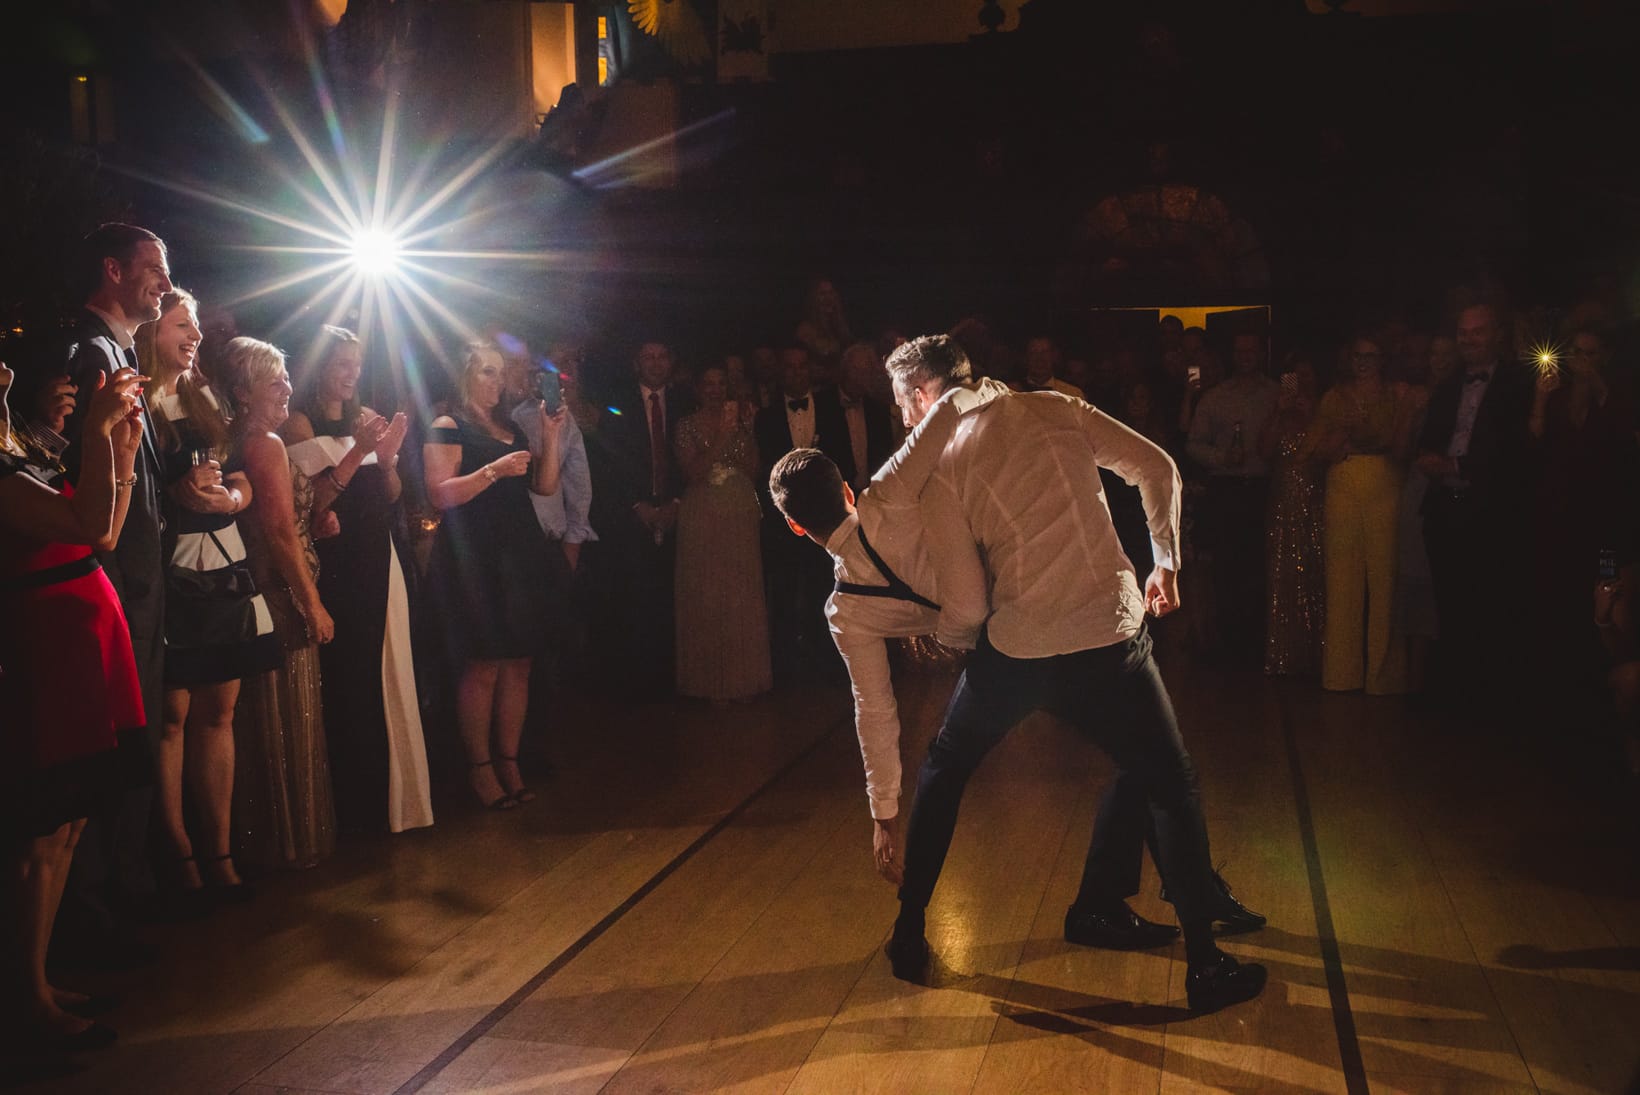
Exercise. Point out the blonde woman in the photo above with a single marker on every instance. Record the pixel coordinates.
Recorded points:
(282, 787)
(490, 574)
(218, 629)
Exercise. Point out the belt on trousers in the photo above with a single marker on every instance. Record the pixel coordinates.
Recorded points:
(50, 576)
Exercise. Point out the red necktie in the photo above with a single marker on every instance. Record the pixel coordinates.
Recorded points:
(657, 446)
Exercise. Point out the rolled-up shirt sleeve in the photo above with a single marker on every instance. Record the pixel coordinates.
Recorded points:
(900, 481)
(876, 718)
(1144, 464)
(964, 593)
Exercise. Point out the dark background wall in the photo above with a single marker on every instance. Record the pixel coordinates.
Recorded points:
(1371, 164)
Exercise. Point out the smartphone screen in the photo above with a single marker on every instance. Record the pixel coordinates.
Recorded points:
(1608, 565)
(1194, 372)
(552, 392)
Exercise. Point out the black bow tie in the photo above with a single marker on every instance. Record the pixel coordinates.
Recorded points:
(1477, 378)
(798, 404)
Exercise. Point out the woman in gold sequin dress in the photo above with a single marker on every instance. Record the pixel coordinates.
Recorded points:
(283, 810)
(722, 628)
(1292, 536)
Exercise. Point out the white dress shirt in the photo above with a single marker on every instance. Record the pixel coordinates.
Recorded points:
(891, 516)
(801, 423)
(1017, 523)
(1463, 427)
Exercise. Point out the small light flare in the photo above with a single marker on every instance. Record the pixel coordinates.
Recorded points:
(1545, 357)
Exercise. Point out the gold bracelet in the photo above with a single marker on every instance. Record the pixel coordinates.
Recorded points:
(489, 472)
(126, 484)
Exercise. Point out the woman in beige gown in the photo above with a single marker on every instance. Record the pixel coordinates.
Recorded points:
(722, 628)
(284, 815)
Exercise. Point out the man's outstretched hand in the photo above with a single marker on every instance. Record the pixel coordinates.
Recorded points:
(1161, 592)
(888, 848)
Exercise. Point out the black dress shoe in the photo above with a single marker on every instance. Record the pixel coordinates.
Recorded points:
(908, 957)
(1117, 931)
(1223, 983)
(1235, 916)
(1231, 913)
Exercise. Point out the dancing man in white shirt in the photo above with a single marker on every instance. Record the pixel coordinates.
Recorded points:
(1033, 578)
(885, 586)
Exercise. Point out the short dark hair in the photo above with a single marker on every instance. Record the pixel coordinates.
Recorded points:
(930, 357)
(808, 489)
(109, 241)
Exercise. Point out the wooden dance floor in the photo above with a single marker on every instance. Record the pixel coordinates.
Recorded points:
(691, 907)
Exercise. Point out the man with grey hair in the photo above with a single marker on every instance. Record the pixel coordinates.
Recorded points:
(1033, 579)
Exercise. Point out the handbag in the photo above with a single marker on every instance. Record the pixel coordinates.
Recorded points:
(210, 607)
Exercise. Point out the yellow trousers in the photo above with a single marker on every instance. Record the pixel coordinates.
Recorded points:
(1359, 547)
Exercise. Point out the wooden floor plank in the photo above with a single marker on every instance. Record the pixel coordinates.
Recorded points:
(1483, 894)
(1285, 1040)
(587, 1022)
(890, 1036)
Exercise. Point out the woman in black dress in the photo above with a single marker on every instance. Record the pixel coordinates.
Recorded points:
(378, 758)
(490, 574)
(205, 659)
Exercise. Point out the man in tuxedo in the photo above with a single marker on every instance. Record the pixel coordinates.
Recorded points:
(1474, 449)
(637, 516)
(869, 421)
(126, 273)
(798, 581)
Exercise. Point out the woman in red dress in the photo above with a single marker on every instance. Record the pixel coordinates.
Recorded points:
(68, 680)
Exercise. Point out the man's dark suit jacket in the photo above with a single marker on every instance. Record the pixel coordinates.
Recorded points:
(624, 440)
(774, 434)
(136, 566)
(879, 434)
(1498, 452)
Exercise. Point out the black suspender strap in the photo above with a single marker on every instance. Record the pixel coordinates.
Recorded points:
(896, 588)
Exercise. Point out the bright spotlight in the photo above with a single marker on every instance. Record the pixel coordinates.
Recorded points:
(375, 252)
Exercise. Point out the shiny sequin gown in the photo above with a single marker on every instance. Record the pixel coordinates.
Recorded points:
(1297, 591)
(722, 626)
(283, 811)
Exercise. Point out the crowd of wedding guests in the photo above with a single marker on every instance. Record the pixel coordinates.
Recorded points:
(231, 585)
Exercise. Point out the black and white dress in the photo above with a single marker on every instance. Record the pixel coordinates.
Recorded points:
(205, 543)
(378, 755)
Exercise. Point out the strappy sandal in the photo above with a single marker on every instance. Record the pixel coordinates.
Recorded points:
(505, 801)
(523, 794)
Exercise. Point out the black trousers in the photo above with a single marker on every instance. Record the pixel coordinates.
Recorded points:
(1236, 517)
(1112, 695)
